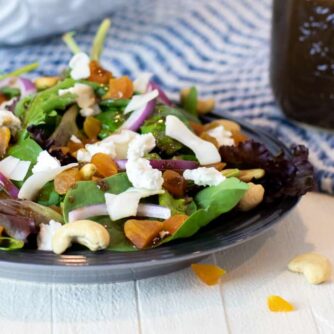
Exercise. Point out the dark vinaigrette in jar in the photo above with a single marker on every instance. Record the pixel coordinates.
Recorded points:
(302, 59)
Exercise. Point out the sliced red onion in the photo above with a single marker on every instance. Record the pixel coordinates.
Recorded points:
(144, 210)
(26, 86)
(153, 211)
(8, 186)
(87, 212)
(162, 165)
(162, 95)
(138, 117)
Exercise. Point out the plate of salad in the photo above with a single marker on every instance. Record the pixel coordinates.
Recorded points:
(104, 178)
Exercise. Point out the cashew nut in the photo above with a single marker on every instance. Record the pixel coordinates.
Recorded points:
(88, 171)
(85, 232)
(247, 175)
(45, 82)
(315, 267)
(252, 197)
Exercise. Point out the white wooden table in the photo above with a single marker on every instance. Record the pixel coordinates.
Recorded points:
(179, 303)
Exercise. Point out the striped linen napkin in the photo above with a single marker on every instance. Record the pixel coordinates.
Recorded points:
(220, 46)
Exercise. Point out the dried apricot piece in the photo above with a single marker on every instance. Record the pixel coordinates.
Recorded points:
(4, 140)
(142, 232)
(119, 88)
(105, 165)
(173, 223)
(98, 73)
(91, 127)
(209, 274)
(65, 180)
(278, 304)
(174, 183)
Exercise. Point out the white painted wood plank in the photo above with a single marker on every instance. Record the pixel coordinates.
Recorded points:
(25, 307)
(179, 303)
(259, 268)
(102, 309)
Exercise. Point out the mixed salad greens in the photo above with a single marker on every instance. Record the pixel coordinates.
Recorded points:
(112, 163)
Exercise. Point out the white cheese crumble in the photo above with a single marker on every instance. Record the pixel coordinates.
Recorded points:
(13, 168)
(139, 101)
(86, 99)
(45, 162)
(222, 136)
(204, 176)
(7, 118)
(142, 175)
(45, 235)
(79, 65)
(140, 146)
(86, 154)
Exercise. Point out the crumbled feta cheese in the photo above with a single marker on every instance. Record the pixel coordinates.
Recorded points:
(45, 162)
(142, 175)
(86, 154)
(140, 146)
(79, 65)
(75, 139)
(204, 176)
(141, 83)
(222, 136)
(45, 235)
(122, 141)
(86, 99)
(115, 203)
(7, 118)
(14, 169)
(139, 101)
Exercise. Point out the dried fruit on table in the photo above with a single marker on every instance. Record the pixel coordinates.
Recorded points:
(4, 140)
(91, 127)
(104, 164)
(173, 223)
(120, 88)
(278, 304)
(209, 274)
(98, 73)
(66, 179)
(142, 232)
(174, 183)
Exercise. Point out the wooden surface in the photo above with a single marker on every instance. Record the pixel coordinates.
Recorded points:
(179, 303)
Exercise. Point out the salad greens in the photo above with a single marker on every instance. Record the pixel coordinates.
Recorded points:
(119, 153)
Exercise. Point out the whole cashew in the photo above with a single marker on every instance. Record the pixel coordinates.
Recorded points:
(315, 267)
(252, 197)
(85, 232)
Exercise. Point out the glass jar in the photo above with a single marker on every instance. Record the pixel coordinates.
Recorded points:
(302, 60)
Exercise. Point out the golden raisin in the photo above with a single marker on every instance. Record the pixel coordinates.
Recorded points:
(91, 127)
(278, 304)
(120, 88)
(174, 183)
(65, 180)
(207, 137)
(98, 73)
(4, 140)
(73, 146)
(219, 166)
(142, 232)
(105, 165)
(208, 273)
(173, 223)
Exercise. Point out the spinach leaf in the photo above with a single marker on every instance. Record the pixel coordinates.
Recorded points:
(48, 196)
(177, 206)
(87, 193)
(189, 103)
(211, 202)
(25, 149)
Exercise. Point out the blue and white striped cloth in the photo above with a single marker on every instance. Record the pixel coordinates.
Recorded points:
(221, 46)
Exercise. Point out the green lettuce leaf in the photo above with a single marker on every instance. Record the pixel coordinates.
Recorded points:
(177, 206)
(211, 202)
